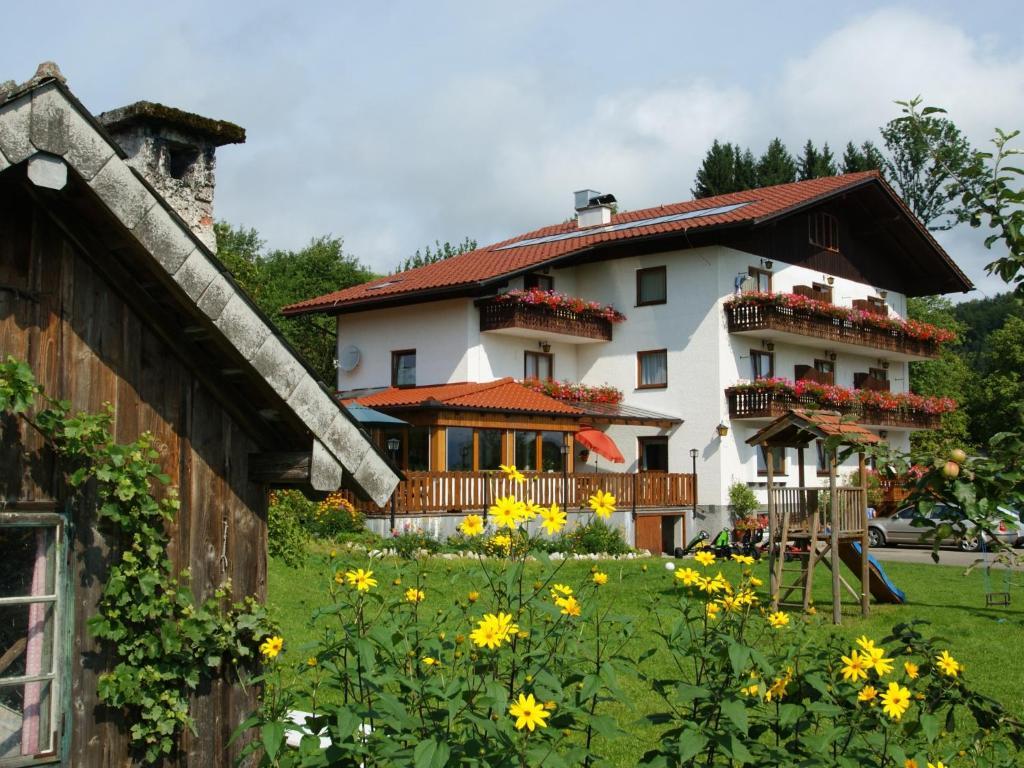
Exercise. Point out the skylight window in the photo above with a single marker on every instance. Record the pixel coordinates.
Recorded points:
(385, 284)
(701, 213)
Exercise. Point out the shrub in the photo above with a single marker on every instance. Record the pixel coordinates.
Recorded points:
(335, 516)
(742, 500)
(594, 538)
(410, 541)
(287, 537)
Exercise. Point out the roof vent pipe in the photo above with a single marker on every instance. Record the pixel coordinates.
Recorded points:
(592, 208)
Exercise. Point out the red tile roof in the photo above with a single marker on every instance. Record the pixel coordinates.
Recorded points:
(501, 395)
(496, 261)
(831, 423)
(798, 426)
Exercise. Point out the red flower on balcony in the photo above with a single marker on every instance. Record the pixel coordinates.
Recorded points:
(556, 300)
(832, 396)
(573, 392)
(912, 329)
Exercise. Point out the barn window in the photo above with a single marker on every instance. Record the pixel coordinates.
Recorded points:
(823, 231)
(31, 608)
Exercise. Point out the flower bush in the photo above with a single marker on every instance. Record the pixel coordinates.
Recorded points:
(912, 329)
(417, 673)
(834, 396)
(753, 689)
(573, 392)
(556, 300)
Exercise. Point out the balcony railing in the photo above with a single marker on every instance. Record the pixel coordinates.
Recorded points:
(463, 492)
(500, 315)
(770, 402)
(773, 317)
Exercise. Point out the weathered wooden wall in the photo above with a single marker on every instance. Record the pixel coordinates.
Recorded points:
(86, 345)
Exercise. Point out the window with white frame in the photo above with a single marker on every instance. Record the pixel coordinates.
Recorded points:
(31, 614)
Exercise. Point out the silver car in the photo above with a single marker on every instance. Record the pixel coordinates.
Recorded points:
(1015, 522)
(898, 529)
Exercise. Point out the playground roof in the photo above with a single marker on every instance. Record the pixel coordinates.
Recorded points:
(798, 428)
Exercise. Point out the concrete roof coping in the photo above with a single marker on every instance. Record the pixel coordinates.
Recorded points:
(219, 132)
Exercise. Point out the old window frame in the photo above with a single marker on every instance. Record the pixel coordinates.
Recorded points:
(549, 357)
(823, 231)
(58, 677)
(640, 356)
(396, 360)
(760, 354)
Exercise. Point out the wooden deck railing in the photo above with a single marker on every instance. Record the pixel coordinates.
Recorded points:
(758, 317)
(497, 315)
(769, 402)
(802, 503)
(462, 492)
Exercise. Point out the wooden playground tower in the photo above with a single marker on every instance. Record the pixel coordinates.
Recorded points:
(831, 522)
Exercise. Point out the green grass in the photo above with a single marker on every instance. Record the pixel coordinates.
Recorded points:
(987, 640)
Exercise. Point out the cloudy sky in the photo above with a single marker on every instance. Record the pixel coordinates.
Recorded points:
(393, 124)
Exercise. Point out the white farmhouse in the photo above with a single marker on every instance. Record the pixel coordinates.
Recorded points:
(736, 307)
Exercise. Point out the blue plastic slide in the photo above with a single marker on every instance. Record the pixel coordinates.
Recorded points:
(880, 586)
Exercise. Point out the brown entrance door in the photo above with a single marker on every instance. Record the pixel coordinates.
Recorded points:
(648, 533)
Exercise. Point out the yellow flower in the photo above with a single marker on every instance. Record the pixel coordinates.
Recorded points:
(867, 694)
(430, 661)
(502, 542)
(911, 669)
(473, 597)
(709, 585)
(339, 577)
(600, 578)
(811, 610)
(311, 661)
(908, 763)
(559, 591)
(756, 582)
(506, 511)
(746, 597)
(937, 764)
(778, 619)
(688, 576)
(730, 603)
(866, 645)
(570, 606)
(414, 595)
(552, 519)
(603, 504)
(778, 688)
(855, 666)
(712, 610)
(493, 630)
(272, 646)
(511, 472)
(472, 525)
(362, 580)
(880, 663)
(895, 701)
(705, 558)
(750, 690)
(528, 712)
(744, 559)
(948, 665)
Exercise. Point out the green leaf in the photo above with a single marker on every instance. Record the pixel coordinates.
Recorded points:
(431, 754)
(930, 726)
(272, 736)
(736, 711)
(690, 743)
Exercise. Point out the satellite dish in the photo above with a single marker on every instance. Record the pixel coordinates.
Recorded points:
(349, 358)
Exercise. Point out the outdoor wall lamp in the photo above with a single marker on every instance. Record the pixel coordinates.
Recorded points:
(882, 295)
(545, 346)
(722, 429)
(769, 345)
(828, 278)
(767, 264)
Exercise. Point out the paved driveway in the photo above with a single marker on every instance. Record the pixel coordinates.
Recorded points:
(916, 554)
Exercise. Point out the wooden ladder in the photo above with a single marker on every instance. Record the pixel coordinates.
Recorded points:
(804, 572)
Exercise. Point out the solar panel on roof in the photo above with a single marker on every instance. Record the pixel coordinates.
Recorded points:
(700, 213)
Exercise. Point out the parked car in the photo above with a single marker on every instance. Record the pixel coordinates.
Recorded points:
(898, 529)
(1016, 523)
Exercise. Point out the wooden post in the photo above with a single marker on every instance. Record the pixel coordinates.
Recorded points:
(865, 546)
(775, 548)
(837, 600)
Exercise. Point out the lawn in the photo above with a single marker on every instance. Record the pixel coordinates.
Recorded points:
(986, 640)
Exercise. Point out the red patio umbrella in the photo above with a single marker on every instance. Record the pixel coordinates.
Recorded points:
(601, 444)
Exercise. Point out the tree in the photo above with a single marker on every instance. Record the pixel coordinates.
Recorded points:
(983, 316)
(866, 157)
(813, 164)
(924, 160)
(999, 390)
(948, 376)
(776, 165)
(717, 172)
(439, 253)
(281, 277)
(745, 173)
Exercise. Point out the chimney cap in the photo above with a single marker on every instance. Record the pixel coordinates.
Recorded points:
(587, 198)
(218, 132)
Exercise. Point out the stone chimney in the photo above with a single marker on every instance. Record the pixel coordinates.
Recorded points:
(175, 152)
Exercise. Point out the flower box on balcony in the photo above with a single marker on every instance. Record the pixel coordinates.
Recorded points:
(548, 312)
(767, 398)
(756, 311)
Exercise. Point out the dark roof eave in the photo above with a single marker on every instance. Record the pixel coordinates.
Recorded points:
(438, 405)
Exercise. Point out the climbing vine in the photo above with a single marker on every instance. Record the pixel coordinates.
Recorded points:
(163, 643)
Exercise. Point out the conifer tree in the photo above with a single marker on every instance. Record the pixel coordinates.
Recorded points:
(776, 165)
(717, 173)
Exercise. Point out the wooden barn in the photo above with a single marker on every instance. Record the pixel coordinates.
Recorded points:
(110, 291)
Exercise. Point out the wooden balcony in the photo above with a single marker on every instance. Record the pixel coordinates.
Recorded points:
(463, 492)
(778, 323)
(543, 321)
(803, 503)
(769, 403)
